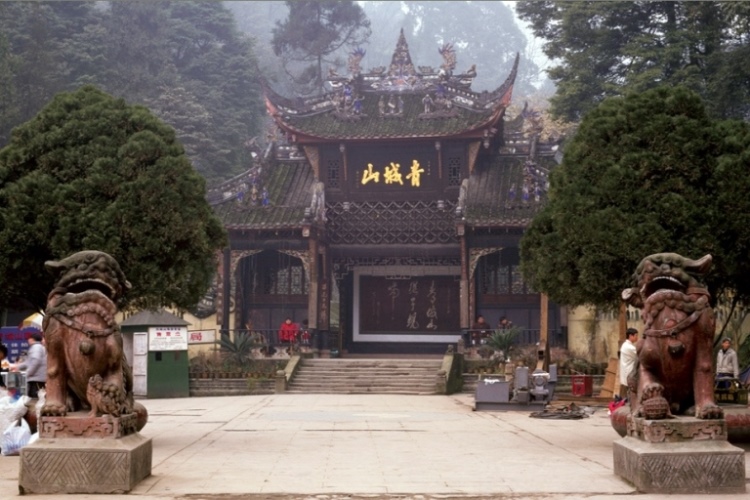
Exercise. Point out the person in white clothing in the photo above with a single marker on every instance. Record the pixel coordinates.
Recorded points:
(628, 356)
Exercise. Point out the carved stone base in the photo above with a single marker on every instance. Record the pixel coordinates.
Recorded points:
(85, 465)
(680, 456)
(674, 430)
(79, 425)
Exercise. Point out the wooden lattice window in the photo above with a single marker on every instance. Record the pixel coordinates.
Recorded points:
(391, 222)
(500, 274)
(270, 273)
(334, 173)
(454, 170)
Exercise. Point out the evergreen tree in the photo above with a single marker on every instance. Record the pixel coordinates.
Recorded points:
(9, 105)
(92, 172)
(138, 50)
(34, 63)
(314, 30)
(606, 49)
(644, 174)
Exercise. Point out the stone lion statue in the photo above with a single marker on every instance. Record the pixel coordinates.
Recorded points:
(86, 365)
(674, 370)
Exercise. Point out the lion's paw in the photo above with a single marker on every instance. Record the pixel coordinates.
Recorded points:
(655, 409)
(652, 390)
(52, 409)
(709, 411)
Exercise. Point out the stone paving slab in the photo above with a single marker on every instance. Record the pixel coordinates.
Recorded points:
(331, 447)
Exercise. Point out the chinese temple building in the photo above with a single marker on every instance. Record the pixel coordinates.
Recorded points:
(388, 212)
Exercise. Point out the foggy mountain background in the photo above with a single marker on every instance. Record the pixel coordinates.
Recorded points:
(197, 64)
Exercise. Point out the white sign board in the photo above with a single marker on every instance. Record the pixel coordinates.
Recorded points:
(168, 338)
(201, 336)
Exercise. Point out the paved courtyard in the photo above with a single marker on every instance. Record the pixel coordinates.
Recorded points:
(372, 446)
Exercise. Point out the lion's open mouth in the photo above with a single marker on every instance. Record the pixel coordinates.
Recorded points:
(85, 285)
(661, 283)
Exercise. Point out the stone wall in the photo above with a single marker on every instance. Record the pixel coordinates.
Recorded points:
(595, 336)
(231, 386)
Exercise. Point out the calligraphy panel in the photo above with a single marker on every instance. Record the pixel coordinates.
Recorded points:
(415, 305)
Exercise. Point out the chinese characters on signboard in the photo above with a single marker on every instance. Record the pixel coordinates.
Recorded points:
(201, 336)
(168, 338)
(392, 174)
(418, 304)
(16, 341)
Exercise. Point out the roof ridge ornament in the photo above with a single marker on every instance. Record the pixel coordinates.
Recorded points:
(401, 65)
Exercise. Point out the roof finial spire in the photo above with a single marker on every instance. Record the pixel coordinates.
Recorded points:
(401, 65)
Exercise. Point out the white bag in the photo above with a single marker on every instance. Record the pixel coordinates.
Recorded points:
(15, 437)
(11, 411)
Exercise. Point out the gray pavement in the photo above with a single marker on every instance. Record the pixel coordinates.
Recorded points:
(330, 447)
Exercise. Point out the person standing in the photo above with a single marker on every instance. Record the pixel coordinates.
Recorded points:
(305, 333)
(288, 331)
(726, 362)
(35, 366)
(628, 356)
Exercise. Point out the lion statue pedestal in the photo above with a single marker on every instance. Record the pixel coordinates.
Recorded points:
(676, 439)
(679, 455)
(88, 428)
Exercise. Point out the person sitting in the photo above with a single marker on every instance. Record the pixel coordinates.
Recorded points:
(480, 330)
(504, 324)
(288, 331)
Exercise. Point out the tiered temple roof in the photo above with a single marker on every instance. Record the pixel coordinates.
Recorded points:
(400, 102)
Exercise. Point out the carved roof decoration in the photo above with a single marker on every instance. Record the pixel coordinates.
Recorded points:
(401, 101)
(290, 198)
(505, 191)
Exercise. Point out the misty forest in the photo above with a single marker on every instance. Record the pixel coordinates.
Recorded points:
(199, 65)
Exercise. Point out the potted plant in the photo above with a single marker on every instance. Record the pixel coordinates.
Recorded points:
(237, 348)
(502, 339)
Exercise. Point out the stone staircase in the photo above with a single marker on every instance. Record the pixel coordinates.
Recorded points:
(366, 376)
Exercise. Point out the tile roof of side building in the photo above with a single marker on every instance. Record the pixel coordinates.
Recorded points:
(289, 191)
(506, 191)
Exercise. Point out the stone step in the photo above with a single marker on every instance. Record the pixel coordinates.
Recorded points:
(373, 372)
(362, 391)
(231, 387)
(375, 365)
(261, 391)
(307, 377)
(369, 379)
(354, 385)
(366, 376)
